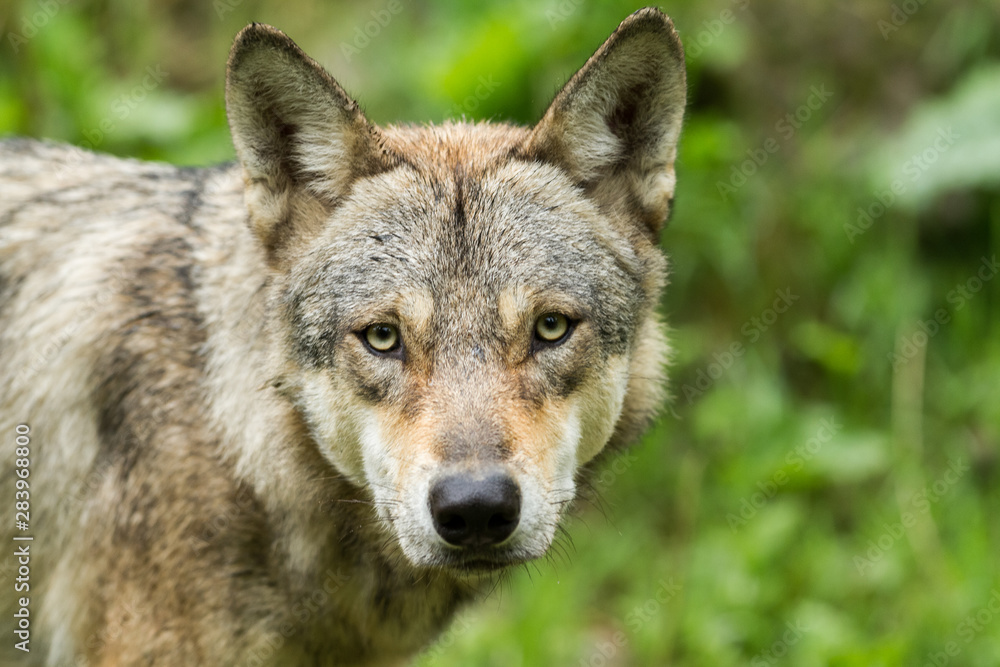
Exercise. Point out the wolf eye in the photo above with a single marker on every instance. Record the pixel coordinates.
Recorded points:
(382, 337)
(552, 327)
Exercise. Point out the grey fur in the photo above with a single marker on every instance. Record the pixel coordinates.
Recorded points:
(221, 472)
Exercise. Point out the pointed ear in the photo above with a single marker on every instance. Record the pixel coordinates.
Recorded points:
(301, 140)
(614, 127)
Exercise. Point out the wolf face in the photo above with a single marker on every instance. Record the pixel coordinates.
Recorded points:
(464, 314)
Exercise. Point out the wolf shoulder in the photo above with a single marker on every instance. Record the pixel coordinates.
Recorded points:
(72, 215)
(53, 185)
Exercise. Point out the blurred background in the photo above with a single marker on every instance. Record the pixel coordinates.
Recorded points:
(823, 489)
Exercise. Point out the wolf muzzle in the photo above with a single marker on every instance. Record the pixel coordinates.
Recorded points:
(475, 509)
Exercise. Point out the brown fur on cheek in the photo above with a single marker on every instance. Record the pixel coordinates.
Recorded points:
(536, 436)
(402, 462)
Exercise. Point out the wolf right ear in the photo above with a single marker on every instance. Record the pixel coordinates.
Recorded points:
(614, 126)
(301, 140)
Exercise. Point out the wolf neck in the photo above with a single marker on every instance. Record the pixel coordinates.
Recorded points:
(322, 528)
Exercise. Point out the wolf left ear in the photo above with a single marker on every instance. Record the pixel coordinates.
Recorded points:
(614, 126)
(301, 140)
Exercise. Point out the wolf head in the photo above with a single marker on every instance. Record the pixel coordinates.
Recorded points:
(465, 313)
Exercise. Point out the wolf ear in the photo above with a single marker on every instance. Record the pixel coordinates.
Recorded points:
(301, 140)
(614, 126)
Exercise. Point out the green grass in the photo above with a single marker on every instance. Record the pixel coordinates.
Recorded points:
(762, 520)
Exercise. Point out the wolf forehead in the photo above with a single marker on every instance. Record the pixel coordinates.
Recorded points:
(472, 234)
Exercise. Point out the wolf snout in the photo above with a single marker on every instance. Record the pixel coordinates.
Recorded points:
(475, 510)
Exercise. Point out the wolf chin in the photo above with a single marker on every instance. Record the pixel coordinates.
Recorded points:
(297, 410)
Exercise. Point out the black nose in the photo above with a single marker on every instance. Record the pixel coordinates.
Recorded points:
(471, 511)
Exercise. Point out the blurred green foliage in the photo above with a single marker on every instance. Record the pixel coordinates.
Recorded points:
(821, 490)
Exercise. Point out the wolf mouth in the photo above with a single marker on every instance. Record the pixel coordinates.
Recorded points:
(480, 561)
(480, 564)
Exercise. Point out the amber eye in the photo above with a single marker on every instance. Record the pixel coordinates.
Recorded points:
(382, 337)
(552, 327)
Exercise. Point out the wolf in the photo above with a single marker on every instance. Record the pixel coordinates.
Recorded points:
(299, 409)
